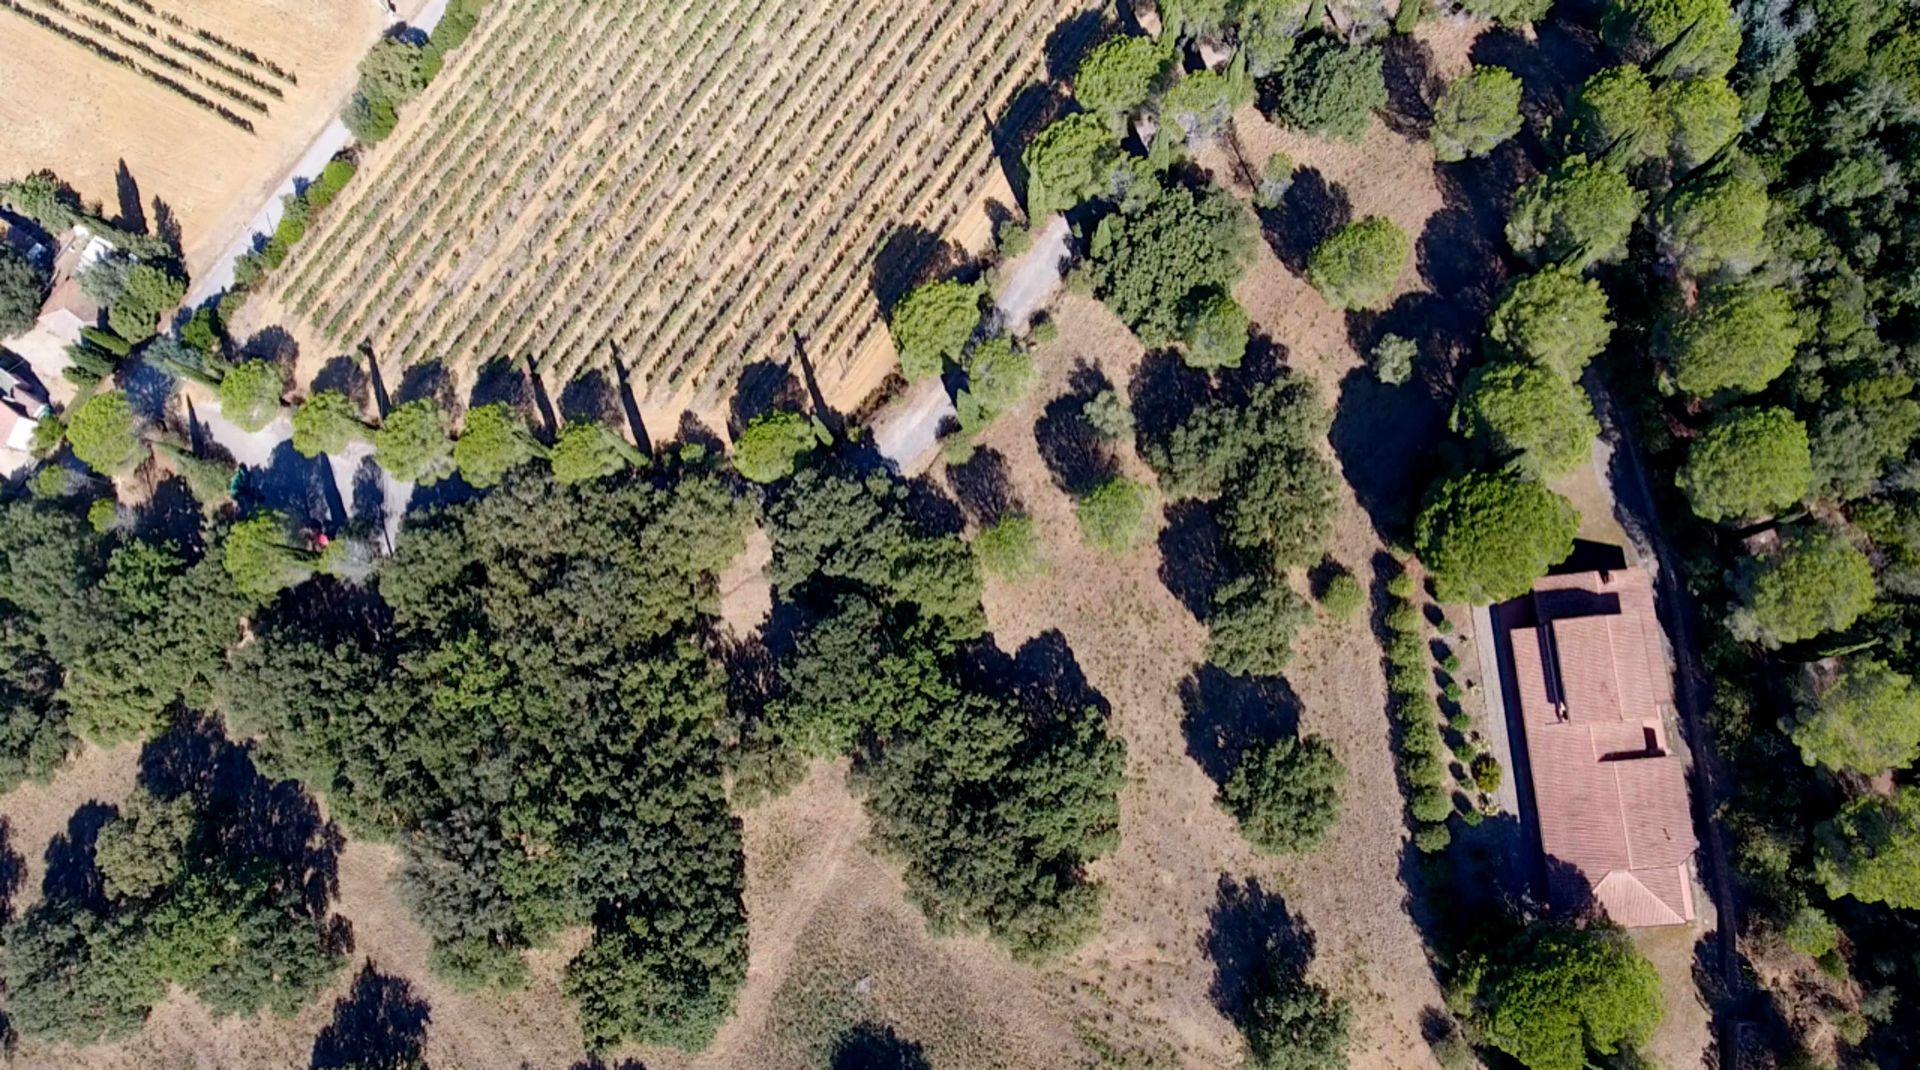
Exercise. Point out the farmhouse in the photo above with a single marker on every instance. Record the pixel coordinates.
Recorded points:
(68, 308)
(1593, 693)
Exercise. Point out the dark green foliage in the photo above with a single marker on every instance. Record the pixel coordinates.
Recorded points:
(1488, 537)
(1871, 850)
(1816, 583)
(1510, 12)
(1862, 429)
(1294, 1024)
(1329, 89)
(250, 394)
(1285, 794)
(151, 292)
(1154, 264)
(412, 443)
(1209, 449)
(1716, 226)
(1217, 335)
(1749, 463)
(1556, 993)
(104, 434)
(327, 422)
(1253, 622)
(23, 288)
(1356, 267)
(392, 73)
(1010, 549)
(844, 528)
(1681, 38)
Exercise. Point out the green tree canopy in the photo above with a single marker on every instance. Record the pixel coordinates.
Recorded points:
(1217, 334)
(1510, 12)
(1558, 993)
(250, 394)
(1069, 162)
(1613, 117)
(1555, 318)
(1748, 463)
(999, 374)
(1149, 264)
(1285, 794)
(1293, 1024)
(1475, 113)
(412, 443)
(1200, 105)
(1706, 117)
(1252, 624)
(932, 326)
(1738, 338)
(23, 289)
(1529, 413)
(262, 557)
(1268, 29)
(1866, 720)
(587, 450)
(1717, 226)
(1487, 537)
(1580, 213)
(1329, 88)
(105, 434)
(1681, 38)
(1817, 583)
(1357, 266)
(1121, 74)
(140, 851)
(1870, 850)
(772, 444)
(151, 291)
(1113, 515)
(327, 422)
(493, 441)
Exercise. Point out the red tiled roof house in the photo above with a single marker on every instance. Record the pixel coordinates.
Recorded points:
(1593, 694)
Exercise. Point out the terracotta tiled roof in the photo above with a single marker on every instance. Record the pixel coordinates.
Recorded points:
(1593, 687)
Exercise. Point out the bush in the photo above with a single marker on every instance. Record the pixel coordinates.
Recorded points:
(1216, 335)
(1432, 839)
(1113, 515)
(1487, 772)
(1010, 549)
(1509, 12)
(1358, 265)
(1276, 178)
(1342, 597)
(1475, 113)
(1810, 932)
(1329, 89)
(1393, 357)
(1107, 413)
(1430, 805)
(1285, 794)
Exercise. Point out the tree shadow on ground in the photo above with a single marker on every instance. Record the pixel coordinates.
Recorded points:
(877, 1047)
(1163, 392)
(1225, 714)
(13, 871)
(1309, 214)
(1044, 675)
(1556, 58)
(764, 386)
(379, 1022)
(1462, 252)
(589, 397)
(1078, 457)
(906, 255)
(1193, 555)
(132, 215)
(1251, 935)
(1384, 436)
(273, 345)
(693, 432)
(255, 816)
(171, 514)
(291, 483)
(1410, 86)
(147, 388)
(984, 486)
(1030, 110)
(428, 380)
(73, 874)
(166, 227)
(344, 375)
(504, 382)
(1072, 39)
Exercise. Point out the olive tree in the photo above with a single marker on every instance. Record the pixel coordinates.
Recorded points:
(1357, 266)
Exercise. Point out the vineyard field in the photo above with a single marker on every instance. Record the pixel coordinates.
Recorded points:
(200, 104)
(677, 189)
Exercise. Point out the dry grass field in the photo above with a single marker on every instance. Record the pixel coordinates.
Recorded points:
(682, 188)
(176, 101)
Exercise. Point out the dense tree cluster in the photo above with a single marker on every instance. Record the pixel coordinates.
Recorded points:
(1160, 264)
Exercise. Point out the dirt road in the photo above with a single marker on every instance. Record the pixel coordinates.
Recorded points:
(1034, 277)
